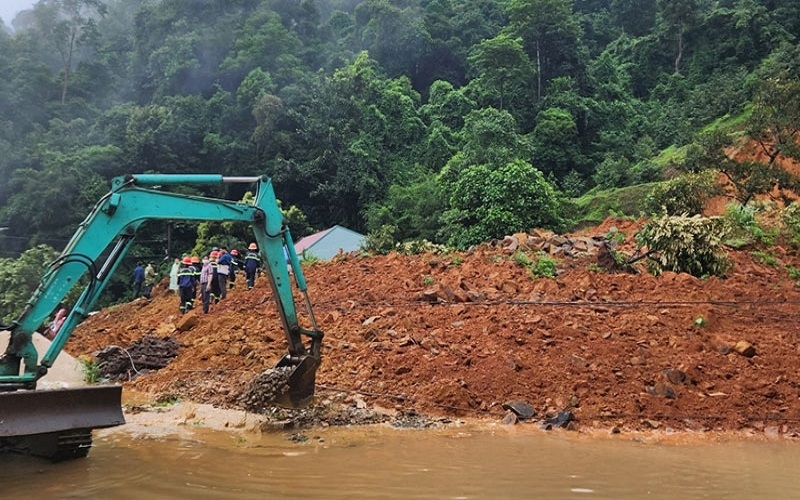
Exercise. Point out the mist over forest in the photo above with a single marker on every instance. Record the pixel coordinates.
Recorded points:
(454, 121)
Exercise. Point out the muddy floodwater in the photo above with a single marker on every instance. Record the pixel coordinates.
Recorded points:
(462, 462)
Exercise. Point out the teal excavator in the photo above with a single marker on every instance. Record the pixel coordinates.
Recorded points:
(58, 423)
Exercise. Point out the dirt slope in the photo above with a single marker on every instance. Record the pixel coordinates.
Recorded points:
(461, 335)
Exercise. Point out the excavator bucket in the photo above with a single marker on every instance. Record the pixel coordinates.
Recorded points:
(57, 424)
(299, 390)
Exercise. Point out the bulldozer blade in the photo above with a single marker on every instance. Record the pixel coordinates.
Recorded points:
(300, 385)
(24, 413)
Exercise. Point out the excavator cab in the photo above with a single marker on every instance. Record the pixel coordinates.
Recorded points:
(58, 423)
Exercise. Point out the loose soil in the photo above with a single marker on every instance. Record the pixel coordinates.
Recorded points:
(463, 335)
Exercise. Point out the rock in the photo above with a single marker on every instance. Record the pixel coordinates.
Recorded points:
(510, 418)
(561, 419)
(187, 322)
(520, 408)
(675, 376)
(745, 348)
(661, 389)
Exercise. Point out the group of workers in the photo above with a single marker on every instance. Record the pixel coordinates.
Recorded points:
(213, 275)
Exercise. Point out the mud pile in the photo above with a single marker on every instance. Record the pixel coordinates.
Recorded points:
(462, 334)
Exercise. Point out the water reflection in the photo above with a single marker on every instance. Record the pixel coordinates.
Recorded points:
(377, 463)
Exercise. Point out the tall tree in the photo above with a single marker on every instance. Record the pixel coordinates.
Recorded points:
(68, 24)
(550, 34)
(677, 17)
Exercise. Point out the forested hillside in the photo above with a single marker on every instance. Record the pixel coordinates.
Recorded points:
(454, 121)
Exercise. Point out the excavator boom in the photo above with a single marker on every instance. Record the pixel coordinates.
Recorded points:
(110, 230)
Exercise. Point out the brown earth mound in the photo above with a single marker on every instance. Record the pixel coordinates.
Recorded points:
(462, 334)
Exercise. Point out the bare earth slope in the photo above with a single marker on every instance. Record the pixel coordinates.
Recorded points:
(463, 334)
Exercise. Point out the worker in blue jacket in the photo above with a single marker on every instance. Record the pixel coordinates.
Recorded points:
(251, 264)
(186, 284)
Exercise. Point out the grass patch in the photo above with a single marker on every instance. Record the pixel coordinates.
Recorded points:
(598, 204)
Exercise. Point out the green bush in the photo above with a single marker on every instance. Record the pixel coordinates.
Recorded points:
(685, 244)
(683, 195)
(743, 229)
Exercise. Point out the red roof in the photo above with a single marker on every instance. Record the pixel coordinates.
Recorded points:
(309, 240)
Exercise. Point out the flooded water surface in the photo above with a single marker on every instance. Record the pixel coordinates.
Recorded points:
(380, 462)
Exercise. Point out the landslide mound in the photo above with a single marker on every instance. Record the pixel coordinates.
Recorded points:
(462, 334)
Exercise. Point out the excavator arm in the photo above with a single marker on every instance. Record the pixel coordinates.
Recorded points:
(104, 238)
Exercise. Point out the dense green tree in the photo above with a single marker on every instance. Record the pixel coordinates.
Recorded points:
(551, 37)
(487, 202)
(503, 74)
(66, 25)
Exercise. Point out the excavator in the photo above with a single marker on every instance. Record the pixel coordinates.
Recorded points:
(58, 423)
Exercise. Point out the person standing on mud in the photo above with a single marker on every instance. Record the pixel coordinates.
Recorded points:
(149, 279)
(236, 264)
(138, 279)
(224, 262)
(206, 276)
(186, 285)
(215, 292)
(251, 264)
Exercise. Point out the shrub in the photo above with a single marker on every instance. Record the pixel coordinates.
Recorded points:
(686, 194)
(685, 244)
(743, 229)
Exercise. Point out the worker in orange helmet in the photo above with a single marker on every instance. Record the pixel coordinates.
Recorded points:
(186, 285)
(216, 293)
(236, 264)
(251, 264)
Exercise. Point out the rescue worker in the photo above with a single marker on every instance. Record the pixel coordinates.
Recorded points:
(224, 262)
(236, 264)
(215, 292)
(206, 276)
(149, 279)
(251, 264)
(186, 284)
(138, 279)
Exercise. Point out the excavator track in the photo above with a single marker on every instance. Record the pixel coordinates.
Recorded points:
(57, 424)
(55, 446)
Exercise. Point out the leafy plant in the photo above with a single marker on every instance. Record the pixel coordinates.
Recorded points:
(765, 258)
(522, 259)
(686, 194)
(692, 245)
(545, 267)
(428, 280)
(743, 228)
(91, 370)
(700, 321)
(381, 241)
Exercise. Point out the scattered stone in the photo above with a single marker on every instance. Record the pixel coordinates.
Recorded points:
(520, 408)
(187, 322)
(745, 348)
(561, 419)
(661, 389)
(510, 418)
(675, 376)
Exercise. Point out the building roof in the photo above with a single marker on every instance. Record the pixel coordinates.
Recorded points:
(307, 242)
(326, 244)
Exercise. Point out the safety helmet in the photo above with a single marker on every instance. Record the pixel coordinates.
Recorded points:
(214, 254)
(234, 252)
(253, 246)
(187, 260)
(195, 259)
